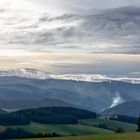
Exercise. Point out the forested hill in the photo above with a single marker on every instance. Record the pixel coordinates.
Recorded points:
(47, 115)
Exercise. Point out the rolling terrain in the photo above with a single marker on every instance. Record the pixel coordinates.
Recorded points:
(65, 121)
(94, 96)
(63, 129)
(85, 127)
(17, 93)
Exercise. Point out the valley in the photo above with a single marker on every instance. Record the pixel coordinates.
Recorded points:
(40, 107)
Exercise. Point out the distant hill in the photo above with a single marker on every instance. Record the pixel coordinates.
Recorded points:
(25, 104)
(131, 108)
(94, 96)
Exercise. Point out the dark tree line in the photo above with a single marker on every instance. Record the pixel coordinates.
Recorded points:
(123, 118)
(18, 133)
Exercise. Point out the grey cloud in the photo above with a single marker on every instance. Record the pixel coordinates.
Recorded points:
(118, 26)
(113, 31)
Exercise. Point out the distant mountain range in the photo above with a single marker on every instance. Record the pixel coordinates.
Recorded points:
(25, 104)
(131, 108)
(94, 96)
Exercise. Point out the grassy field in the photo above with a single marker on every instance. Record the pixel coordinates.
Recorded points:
(86, 127)
(125, 136)
(111, 124)
(63, 129)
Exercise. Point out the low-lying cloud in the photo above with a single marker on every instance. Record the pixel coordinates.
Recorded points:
(117, 99)
(36, 74)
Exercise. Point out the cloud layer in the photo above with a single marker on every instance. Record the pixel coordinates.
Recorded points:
(108, 31)
(35, 74)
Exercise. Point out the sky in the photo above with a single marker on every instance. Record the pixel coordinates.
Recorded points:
(71, 36)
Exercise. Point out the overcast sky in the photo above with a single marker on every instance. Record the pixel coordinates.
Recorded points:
(83, 5)
(71, 28)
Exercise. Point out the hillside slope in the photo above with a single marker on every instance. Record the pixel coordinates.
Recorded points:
(131, 108)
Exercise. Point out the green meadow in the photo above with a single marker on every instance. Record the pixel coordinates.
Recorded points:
(63, 129)
(111, 124)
